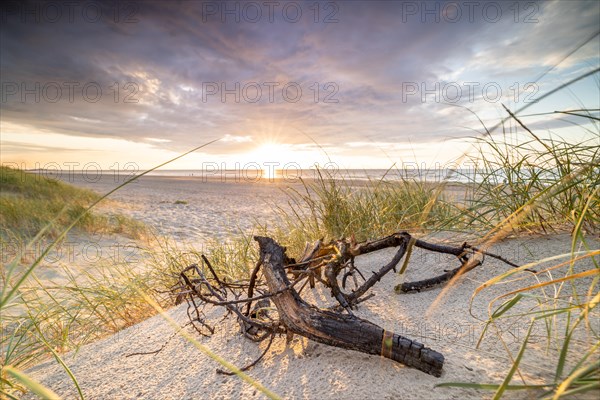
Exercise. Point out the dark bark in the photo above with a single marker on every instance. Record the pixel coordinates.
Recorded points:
(249, 300)
(334, 329)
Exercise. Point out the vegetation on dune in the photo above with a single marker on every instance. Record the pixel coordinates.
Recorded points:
(534, 186)
(47, 318)
(334, 208)
(555, 178)
(42, 319)
(30, 202)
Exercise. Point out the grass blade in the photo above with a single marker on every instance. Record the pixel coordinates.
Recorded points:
(491, 386)
(30, 383)
(514, 366)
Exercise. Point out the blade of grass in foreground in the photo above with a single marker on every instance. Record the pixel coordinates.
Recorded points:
(501, 277)
(33, 385)
(491, 386)
(583, 371)
(60, 361)
(515, 364)
(579, 224)
(501, 388)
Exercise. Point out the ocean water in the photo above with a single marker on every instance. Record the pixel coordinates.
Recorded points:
(292, 175)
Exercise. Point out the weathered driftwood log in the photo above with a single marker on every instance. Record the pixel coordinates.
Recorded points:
(335, 329)
(330, 264)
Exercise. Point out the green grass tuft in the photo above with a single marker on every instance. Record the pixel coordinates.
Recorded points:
(29, 202)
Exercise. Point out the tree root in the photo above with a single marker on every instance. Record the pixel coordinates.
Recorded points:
(269, 284)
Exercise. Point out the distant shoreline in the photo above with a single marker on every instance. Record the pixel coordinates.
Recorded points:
(274, 176)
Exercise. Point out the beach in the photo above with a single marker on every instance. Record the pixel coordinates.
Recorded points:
(187, 208)
(308, 370)
(193, 208)
(191, 212)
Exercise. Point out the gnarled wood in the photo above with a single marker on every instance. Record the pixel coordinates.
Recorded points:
(335, 329)
(328, 264)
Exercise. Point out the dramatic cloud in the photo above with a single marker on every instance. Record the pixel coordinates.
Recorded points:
(171, 75)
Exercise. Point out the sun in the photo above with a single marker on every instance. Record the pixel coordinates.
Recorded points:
(271, 157)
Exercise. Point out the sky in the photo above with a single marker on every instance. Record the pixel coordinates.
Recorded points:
(363, 84)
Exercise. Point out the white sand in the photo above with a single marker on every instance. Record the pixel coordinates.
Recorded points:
(206, 209)
(305, 369)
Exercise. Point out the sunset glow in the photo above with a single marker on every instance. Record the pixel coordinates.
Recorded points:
(278, 92)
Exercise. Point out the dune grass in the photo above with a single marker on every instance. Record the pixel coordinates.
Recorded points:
(48, 319)
(331, 207)
(530, 184)
(45, 318)
(513, 173)
(28, 202)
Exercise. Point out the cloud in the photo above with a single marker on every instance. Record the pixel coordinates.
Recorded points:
(158, 75)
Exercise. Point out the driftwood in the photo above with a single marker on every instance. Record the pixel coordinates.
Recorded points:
(346, 331)
(331, 265)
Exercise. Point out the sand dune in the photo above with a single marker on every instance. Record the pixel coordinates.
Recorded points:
(305, 369)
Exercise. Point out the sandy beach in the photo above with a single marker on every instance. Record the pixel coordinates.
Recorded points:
(193, 209)
(190, 209)
(149, 147)
(307, 370)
